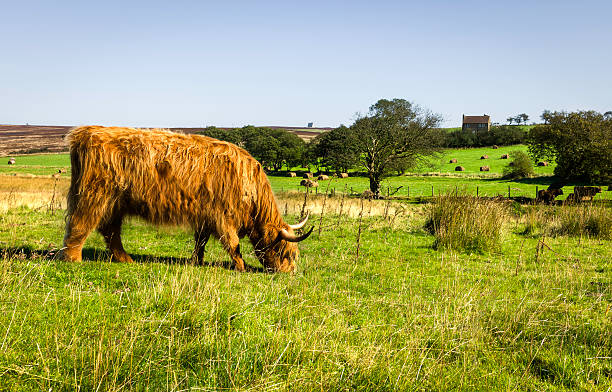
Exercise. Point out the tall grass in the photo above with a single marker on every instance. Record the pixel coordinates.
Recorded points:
(467, 223)
(590, 220)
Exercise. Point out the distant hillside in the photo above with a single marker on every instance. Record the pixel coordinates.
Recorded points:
(31, 139)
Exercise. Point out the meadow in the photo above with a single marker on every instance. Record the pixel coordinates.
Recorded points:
(374, 304)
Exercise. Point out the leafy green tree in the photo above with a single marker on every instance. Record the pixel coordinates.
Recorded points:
(336, 149)
(394, 129)
(289, 151)
(273, 148)
(579, 142)
(520, 166)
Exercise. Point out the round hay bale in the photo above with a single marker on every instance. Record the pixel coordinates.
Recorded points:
(495, 147)
(291, 174)
(460, 168)
(542, 163)
(11, 161)
(343, 175)
(307, 175)
(484, 168)
(505, 156)
(511, 164)
(454, 160)
(484, 157)
(323, 177)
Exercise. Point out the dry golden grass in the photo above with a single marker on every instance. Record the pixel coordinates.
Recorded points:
(33, 192)
(38, 191)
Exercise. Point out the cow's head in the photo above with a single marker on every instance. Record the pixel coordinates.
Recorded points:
(282, 253)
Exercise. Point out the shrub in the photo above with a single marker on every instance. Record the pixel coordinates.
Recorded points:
(467, 223)
(520, 167)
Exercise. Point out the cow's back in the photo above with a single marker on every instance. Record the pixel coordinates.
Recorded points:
(166, 177)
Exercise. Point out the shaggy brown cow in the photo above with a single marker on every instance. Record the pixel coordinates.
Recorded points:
(168, 178)
(547, 196)
(586, 193)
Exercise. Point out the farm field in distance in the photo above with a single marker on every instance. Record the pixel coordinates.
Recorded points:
(535, 314)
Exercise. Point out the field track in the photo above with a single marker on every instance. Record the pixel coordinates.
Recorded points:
(28, 139)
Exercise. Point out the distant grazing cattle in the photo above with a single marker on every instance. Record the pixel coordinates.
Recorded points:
(309, 183)
(11, 161)
(547, 196)
(291, 174)
(583, 193)
(484, 157)
(542, 163)
(586, 193)
(307, 175)
(454, 160)
(166, 178)
(459, 168)
(344, 175)
(484, 168)
(504, 156)
(323, 177)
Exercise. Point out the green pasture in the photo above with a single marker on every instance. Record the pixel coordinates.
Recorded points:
(37, 164)
(469, 158)
(400, 317)
(439, 174)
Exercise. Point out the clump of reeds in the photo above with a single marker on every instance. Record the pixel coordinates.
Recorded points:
(589, 220)
(467, 223)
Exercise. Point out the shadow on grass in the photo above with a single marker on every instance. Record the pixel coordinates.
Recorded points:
(92, 254)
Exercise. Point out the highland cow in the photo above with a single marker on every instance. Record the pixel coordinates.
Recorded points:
(167, 178)
(547, 196)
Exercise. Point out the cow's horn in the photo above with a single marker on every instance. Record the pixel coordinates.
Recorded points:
(301, 224)
(292, 238)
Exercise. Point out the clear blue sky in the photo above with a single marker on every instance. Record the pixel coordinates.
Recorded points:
(195, 63)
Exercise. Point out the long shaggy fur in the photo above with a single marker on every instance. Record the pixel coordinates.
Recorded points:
(168, 178)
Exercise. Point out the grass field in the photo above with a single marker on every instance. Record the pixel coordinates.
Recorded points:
(533, 314)
(400, 317)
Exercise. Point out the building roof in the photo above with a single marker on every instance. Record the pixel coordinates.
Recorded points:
(476, 119)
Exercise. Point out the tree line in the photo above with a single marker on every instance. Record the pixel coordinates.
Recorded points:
(395, 135)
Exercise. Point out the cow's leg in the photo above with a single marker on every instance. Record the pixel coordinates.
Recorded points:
(111, 231)
(231, 244)
(80, 222)
(201, 237)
